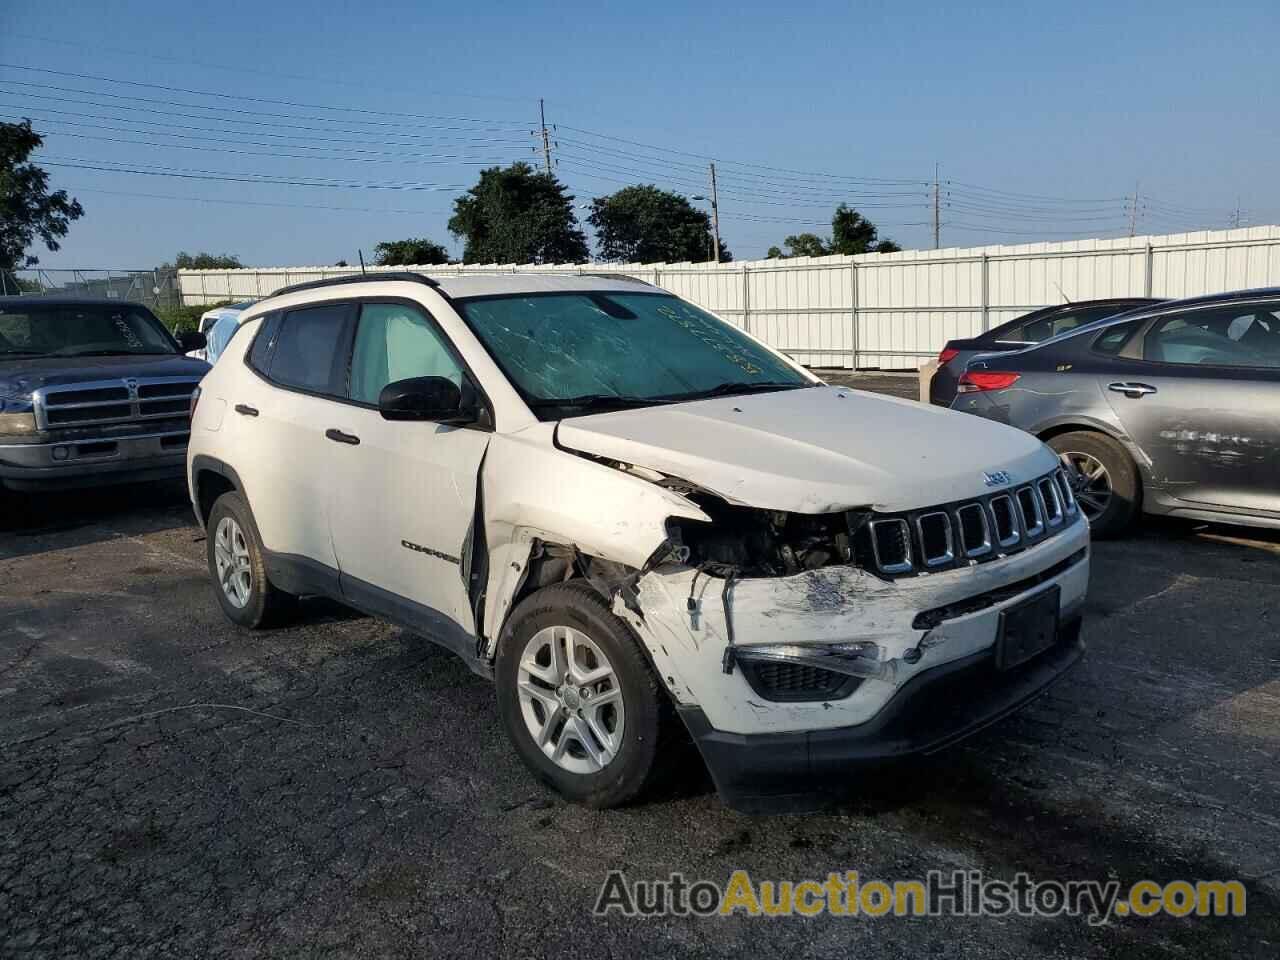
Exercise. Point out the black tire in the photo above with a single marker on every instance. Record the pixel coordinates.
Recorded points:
(265, 605)
(1121, 472)
(650, 725)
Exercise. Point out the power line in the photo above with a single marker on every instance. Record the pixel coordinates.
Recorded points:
(79, 163)
(274, 117)
(759, 166)
(425, 159)
(415, 140)
(256, 203)
(97, 49)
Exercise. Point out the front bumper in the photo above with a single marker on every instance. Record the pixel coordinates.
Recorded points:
(93, 461)
(936, 708)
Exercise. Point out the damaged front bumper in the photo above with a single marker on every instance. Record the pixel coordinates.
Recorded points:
(936, 708)
(883, 648)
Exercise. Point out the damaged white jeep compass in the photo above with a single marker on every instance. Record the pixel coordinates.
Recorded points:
(629, 513)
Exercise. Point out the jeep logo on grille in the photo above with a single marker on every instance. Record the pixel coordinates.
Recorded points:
(997, 478)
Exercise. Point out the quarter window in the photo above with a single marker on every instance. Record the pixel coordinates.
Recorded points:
(307, 347)
(260, 352)
(1114, 338)
(395, 342)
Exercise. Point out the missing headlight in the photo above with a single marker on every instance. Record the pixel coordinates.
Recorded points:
(763, 542)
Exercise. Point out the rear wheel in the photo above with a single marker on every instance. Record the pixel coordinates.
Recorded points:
(238, 568)
(1103, 478)
(578, 698)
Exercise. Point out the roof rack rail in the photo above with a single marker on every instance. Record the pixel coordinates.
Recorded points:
(616, 276)
(358, 278)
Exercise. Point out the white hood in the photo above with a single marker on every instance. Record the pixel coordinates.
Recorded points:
(815, 450)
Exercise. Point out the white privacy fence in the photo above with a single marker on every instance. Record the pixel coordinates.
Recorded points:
(888, 310)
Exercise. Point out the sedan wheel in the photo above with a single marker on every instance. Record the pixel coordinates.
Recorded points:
(1103, 478)
(1090, 482)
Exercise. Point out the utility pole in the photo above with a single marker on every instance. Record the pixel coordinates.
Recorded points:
(937, 211)
(1236, 218)
(715, 214)
(1133, 211)
(546, 138)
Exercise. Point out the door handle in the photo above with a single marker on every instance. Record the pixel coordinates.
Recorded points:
(1133, 391)
(246, 410)
(339, 437)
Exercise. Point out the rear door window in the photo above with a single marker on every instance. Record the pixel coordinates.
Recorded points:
(308, 353)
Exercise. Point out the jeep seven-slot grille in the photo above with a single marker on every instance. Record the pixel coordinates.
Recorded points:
(113, 401)
(968, 531)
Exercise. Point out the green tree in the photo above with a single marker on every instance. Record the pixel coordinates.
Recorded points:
(517, 215)
(411, 252)
(851, 233)
(801, 245)
(203, 261)
(27, 209)
(642, 224)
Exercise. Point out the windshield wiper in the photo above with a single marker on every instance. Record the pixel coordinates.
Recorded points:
(22, 353)
(592, 401)
(726, 389)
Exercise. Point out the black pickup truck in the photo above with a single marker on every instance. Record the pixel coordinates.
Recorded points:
(92, 392)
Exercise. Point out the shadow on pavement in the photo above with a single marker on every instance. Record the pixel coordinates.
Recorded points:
(34, 523)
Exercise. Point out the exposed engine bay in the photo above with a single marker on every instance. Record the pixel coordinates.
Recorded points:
(768, 543)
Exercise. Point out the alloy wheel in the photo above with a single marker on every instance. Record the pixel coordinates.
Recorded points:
(571, 699)
(231, 562)
(1090, 483)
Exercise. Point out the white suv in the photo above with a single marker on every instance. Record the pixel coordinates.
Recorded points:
(626, 511)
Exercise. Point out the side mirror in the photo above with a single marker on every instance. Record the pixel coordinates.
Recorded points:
(435, 399)
(190, 340)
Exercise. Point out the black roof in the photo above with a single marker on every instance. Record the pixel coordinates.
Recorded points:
(1231, 296)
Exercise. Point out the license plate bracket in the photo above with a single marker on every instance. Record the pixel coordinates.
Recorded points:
(1028, 628)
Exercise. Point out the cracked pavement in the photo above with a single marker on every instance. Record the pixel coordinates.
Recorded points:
(173, 786)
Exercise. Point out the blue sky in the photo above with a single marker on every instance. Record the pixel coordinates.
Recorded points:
(1024, 106)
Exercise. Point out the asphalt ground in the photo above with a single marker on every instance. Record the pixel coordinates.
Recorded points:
(172, 786)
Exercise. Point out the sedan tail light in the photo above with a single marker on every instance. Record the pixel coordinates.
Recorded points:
(195, 398)
(946, 355)
(975, 381)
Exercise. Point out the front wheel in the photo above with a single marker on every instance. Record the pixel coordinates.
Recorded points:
(1104, 480)
(578, 698)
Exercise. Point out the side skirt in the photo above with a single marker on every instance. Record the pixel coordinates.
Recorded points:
(301, 575)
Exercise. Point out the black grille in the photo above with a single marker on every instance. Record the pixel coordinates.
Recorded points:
(935, 539)
(166, 408)
(892, 544)
(1064, 488)
(794, 681)
(149, 390)
(1051, 499)
(1005, 519)
(966, 531)
(92, 396)
(1029, 507)
(112, 402)
(59, 416)
(974, 537)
